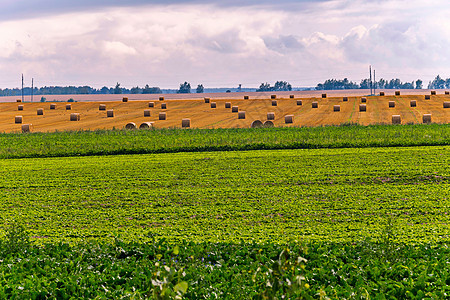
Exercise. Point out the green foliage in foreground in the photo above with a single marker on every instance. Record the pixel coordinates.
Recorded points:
(334, 195)
(160, 270)
(195, 140)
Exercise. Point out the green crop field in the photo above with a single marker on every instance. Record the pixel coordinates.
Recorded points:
(351, 222)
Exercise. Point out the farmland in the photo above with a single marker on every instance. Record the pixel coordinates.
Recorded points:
(206, 115)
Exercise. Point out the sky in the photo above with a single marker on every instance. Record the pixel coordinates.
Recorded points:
(220, 43)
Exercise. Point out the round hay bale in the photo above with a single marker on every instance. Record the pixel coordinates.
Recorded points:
(151, 104)
(110, 113)
(289, 119)
(362, 107)
(124, 99)
(102, 107)
(270, 116)
(146, 125)
(363, 100)
(433, 92)
(213, 104)
(427, 97)
(268, 124)
(336, 108)
(315, 104)
(186, 123)
(241, 115)
(20, 107)
(68, 106)
(234, 109)
(18, 119)
(245, 97)
(74, 117)
(160, 99)
(207, 100)
(40, 111)
(274, 102)
(227, 104)
(26, 127)
(130, 125)
(52, 106)
(447, 93)
(345, 99)
(163, 105)
(324, 95)
(273, 96)
(162, 116)
(146, 112)
(413, 103)
(382, 94)
(426, 118)
(396, 119)
(299, 102)
(257, 124)
(391, 104)
(446, 104)
(19, 100)
(397, 93)
(291, 96)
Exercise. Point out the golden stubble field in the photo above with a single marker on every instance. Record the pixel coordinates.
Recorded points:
(202, 115)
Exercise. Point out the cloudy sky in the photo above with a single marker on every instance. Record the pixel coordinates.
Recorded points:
(220, 43)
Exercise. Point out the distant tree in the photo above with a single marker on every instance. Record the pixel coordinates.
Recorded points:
(365, 84)
(146, 89)
(228, 91)
(437, 83)
(264, 87)
(199, 89)
(282, 86)
(447, 83)
(117, 89)
(151, 90)
(43, 99)
(419, 84)
(185, 88)
(136, 90)
(104, 90)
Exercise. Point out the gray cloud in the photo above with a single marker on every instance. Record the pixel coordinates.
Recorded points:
(283, 43)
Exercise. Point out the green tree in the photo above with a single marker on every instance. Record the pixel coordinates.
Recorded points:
(199, 89)
(117, 89)
(185, 88)
(264, 87)
(419, 84)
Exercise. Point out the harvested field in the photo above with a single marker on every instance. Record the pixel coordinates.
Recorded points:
(204, 116)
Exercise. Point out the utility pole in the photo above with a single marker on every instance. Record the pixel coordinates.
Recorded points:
(370, 78)
(22, 87)
(32, 87)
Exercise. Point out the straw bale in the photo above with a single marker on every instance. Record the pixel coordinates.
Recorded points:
(273, 96)
(234, 109)
(213, 104)
(363, 100)
(257, 124)
(124, 99)
(151, 104)
(362, 107)
(270, 116)
(162, 116)
(110, 113)
(391, 103)
(160, 99)
(102, 107)
(446, 104)
(185, 123)
(433, 92)
(227, 104)
(268, 124)
(289, 119)
(241, 115)
(324, 95)
(52, 106)
(291, 96)
(18, 100)
(146, 112)
(426, 118)
(315, 104)
(130, 125)
(396, 119)
(18, 119)
(68, 106)
(26, 127)
(245, 97)
(382, 94)
(163, 105)
(336, 108)
(397, 93)
(207, 100)
(447, 92)
(299, 102)
(274, 102)
(427, 97)
(345, 99)
(413, 103)
(74, 117)
(20, 107)
(146, 125)
(40, 111)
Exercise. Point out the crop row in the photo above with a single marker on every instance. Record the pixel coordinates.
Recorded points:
(85, 143)
(278, 195)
